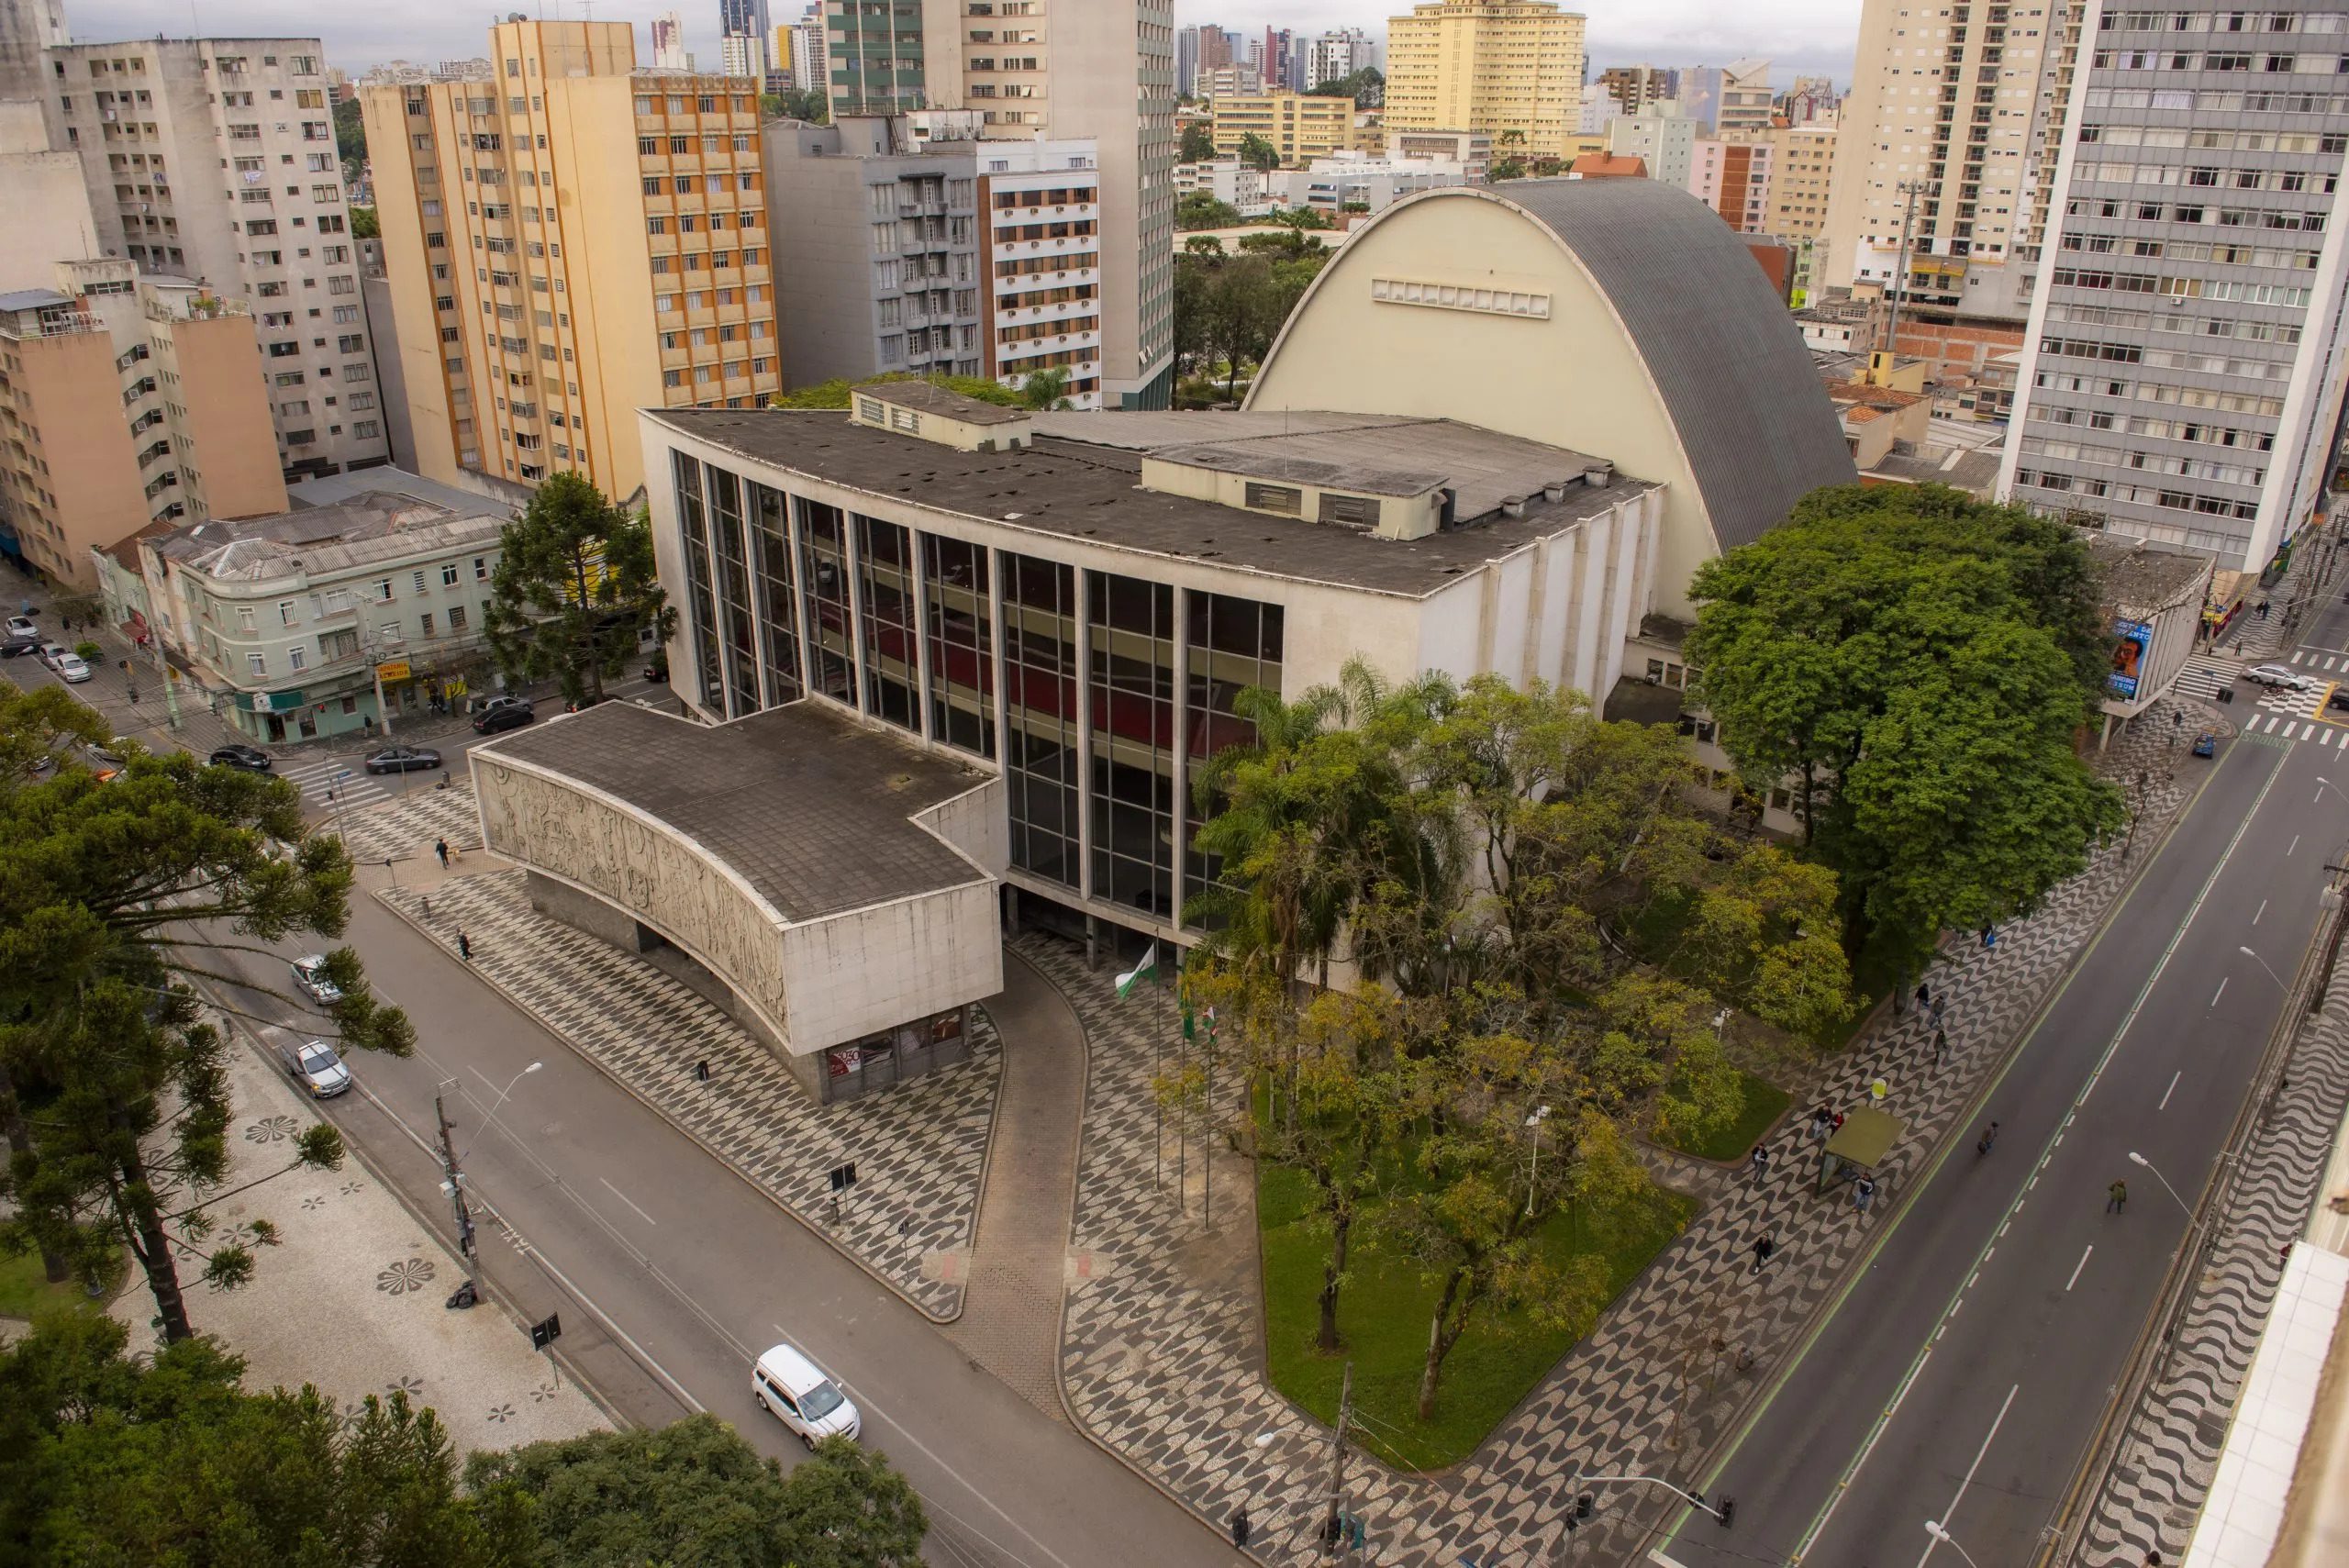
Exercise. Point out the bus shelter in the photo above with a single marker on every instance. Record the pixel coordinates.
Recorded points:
(1859, 1146)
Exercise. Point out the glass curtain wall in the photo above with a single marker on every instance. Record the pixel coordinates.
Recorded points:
(700, 602)
(1131, 650)
(778, 616)
(962, 667)
(1040, 713)
(1233, 644)
(823, 578)
(892, 672)
(740, 642)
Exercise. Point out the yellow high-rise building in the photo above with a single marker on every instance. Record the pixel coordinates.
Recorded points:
(1510, 69)
(1300, 128)
(566, 243)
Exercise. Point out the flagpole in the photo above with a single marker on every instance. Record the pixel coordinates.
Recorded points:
(1157, 1094)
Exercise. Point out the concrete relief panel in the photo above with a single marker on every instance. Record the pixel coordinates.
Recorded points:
(655, 876)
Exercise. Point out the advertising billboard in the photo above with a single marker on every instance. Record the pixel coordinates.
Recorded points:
(2129, 656)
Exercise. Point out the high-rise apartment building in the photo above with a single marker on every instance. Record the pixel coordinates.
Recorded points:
(1659, 137)
(2183, 374)
(1812, 100)
(215, 159)
(1333, 57)
(1950, 133)
(1733, 178)
(1101, 71)
(1733, 99)
(800, 51)
(1186, 61)
(1511, 69)
(1634, 88)
(1298, 125)
(669, 42)
(744, 36)
(568, 243)
(1802, 171)
(127, 401)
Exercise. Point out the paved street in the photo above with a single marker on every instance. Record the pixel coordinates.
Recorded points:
(1964, 1372)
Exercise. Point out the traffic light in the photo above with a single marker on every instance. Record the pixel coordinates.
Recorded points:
(1726, 1511)
(1582, 1505)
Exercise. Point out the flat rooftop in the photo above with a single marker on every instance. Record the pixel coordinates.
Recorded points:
(806, 804)
(928, 399)
(1081, 479)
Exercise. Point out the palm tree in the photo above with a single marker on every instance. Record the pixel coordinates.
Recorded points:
(1045, 389)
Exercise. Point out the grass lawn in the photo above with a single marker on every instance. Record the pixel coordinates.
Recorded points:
(1382, 1314)
(26, 1292)
(1763, 1102)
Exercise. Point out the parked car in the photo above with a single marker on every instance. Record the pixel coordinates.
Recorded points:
(52, 652)
(313, 1065)
(14, 646)
(498, 720)
(790, 1387)
(2339, 699)
(491, 705)
(2282, 675)
(403, 760)
(310, 975)
(22, 626)
(252, 758)
(658, 671)
(2206, 744)
(70, 670)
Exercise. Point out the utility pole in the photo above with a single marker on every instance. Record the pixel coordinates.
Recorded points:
(454, 1178)
(1333, 1529)
(1910, 189)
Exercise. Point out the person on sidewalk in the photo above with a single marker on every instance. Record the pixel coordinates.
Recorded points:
(1759, 1161)
(1941, 1047)
(1990, 1136)
(1822, 1123)
(1762, 1250)
(1863, 1192)
(440, 847)
(464, 947)
(2116, 1199)
(1924, 995)
(1938, 997)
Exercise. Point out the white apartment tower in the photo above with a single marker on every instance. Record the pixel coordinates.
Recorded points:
(213, 160)
(1951, 129)
(2183, 371)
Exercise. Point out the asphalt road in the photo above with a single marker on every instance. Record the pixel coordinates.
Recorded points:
(691, 1273)
(1963, 1375)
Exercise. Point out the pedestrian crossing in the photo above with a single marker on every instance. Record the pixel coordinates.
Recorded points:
(317, 780)
(2286, 727)
(2206, 675)
(2315, 660)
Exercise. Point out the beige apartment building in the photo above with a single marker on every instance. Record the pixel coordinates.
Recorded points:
(1299, 128)
(1510, 68)
(568, 242)
(123, 402)
(1952, 127)
(1802, 172)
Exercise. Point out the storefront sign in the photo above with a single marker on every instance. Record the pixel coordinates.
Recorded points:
(397, 670)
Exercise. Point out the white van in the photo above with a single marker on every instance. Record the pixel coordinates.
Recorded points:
(799, 1395)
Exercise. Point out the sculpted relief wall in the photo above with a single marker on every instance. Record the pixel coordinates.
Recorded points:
(654, 875)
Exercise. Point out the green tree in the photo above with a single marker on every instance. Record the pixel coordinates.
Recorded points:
(364, 223)
(105, 1459)
(809, 105)
(574, 588)
(1367, 87)
(1045, 389)
(771, 107)
(1301, 218)
(1258, 153)
(1509, 167)
(1198, 144)
(350, 136)
(77, 605)
(834, 394)
(851, 1509)
(1200, 209)
(1916, 663)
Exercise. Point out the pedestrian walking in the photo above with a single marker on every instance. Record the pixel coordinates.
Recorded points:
(1762, 1250)
(1990, 937)
(1760, 1162)
(1240, 1525)
(464, 947)
(2116, 1199)
(1924, 995)
(440, 847)
(2263, 609)
(1937, 1008)
(1941, 1047)
(1863, 1192)
(1990, 1136)
(1822, 1122)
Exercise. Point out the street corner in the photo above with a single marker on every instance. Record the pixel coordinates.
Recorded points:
(947, 1265)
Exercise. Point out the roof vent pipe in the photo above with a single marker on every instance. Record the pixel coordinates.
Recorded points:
(1555, 490)
(1512, 505)
(1599, 474)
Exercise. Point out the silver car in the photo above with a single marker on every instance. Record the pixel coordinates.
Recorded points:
(315, 1066)
(310, 974)
(2282, 675)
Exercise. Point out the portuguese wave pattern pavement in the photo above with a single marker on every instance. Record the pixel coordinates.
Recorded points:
(2161, 1475)
(1167, 1370)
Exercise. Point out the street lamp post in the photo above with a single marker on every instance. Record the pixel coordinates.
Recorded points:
(499, 1103)
(2263, 963)
(1934, 1527)
(2137, 1159)
(1533, 1169)
(335, 789)
(452, 1177)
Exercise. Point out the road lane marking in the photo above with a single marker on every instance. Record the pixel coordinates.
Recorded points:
(2293, 846)
(2077, 1268)
(2171, 1090)
(2221, 990)
(1950, 1512)
(630, 1202)
(2261, 910)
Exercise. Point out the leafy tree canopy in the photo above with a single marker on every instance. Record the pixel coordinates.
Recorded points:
(1198, 144)
(1367, 87)
(1200, 209)
(574, 587)
(364, 223)
(349, 133)
(1259, 153)
(834, 394)
(1920, 662)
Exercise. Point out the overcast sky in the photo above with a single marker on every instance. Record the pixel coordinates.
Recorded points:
(1809, 37)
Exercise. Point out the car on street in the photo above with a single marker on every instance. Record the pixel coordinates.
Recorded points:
(503, 716)
(252, 758)
(313, 1065)
(22, 626)
(14, 646)
(2339, 699)
(403, 760)
(310, 975)
(70, 670)
(2282, 675)
(51, 653)
(2206, 744)
(794, 1390)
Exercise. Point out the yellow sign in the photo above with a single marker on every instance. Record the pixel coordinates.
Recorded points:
(396, 670)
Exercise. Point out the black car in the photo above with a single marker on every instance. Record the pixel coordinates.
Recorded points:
(2340, 698)
(252, 759)
(17, 646)
(403, 760)
(498, 720)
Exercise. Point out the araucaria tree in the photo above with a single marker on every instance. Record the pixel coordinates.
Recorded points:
(1918, 664)
(1534, 928)
(574, 589)
(114, 896)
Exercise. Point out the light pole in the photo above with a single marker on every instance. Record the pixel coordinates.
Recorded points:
(2137, 1159)
(499, 1103)
(2333, 787)
(1935, 1528)
(335, 789)
(1533, 1169)
(2263, 963)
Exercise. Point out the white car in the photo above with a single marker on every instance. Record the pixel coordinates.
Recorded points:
(22, 626)
(793, 1389)
(313, 1065)
(2282, 675)
(70, 670)
(310, 974)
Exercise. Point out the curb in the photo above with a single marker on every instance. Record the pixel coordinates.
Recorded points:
(819, 1232)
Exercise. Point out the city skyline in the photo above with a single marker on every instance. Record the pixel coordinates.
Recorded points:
(1799, 36)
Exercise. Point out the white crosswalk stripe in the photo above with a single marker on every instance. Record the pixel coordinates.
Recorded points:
(2206, 675)
(315, 779)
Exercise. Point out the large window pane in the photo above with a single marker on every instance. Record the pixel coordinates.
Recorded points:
(891, 673)
(701, 603)
(962, 670)
(778, 606)
(823, 581)
(1233, 644)
(1130, 644)
(1040, 711)
(739, 631)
